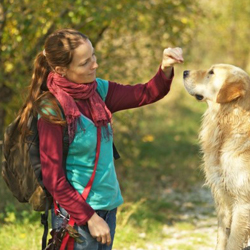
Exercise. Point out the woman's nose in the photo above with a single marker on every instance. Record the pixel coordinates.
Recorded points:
(95, 65)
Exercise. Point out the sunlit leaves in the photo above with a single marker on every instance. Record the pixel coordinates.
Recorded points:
(225, 31)
(129, 35)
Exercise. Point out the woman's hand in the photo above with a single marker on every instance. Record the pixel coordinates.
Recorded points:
(99, 229)
(171, 56)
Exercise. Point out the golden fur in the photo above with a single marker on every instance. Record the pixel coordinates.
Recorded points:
(225, 143)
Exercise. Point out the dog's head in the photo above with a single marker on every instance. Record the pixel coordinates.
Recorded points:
(222, 83)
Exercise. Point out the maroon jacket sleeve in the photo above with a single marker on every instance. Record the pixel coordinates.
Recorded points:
(122, 97)
(54, 179)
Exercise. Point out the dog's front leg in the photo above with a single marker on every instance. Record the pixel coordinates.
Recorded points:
(224, 214)
(239, 226)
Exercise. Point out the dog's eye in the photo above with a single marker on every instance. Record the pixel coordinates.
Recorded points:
(211, 72)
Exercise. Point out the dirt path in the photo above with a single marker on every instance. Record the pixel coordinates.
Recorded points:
(197, 224)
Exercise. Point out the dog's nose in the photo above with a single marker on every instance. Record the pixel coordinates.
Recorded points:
(185, 73)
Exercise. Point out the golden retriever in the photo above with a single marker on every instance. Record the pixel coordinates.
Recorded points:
(225, 144)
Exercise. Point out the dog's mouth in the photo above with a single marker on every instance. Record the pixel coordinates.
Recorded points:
(199, 97)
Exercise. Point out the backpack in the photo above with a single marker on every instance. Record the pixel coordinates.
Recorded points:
(21, 166)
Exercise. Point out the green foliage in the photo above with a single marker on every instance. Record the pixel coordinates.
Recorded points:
(223, 36)
(126, 48)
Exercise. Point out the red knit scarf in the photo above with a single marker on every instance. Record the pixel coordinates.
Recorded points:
(66, 91)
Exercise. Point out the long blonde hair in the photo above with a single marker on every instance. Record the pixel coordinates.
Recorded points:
(58, 51)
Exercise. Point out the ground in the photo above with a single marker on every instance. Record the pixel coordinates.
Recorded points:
(196, 228)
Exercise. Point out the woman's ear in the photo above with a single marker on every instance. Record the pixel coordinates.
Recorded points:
(231, 91)
(60, 70)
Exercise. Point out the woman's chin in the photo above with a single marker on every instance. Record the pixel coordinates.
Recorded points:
(89, 80)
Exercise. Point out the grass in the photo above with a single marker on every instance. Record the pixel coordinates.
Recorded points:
(159, 167)
(20, 236)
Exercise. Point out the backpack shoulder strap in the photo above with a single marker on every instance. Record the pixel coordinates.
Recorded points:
(65, 141)
(33, 148)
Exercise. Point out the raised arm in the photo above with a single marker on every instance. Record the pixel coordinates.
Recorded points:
(122, 97)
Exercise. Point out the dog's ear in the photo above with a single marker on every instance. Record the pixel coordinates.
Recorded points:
(231, 91)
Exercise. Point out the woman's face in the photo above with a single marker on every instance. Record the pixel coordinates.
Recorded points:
(83, 67)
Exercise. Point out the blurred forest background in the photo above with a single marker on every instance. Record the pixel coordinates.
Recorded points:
(159, 170)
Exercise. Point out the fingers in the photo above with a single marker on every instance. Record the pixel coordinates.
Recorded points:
(99, 239)
(174, 53)
(171, 56)
(105, 239)
(109, 239)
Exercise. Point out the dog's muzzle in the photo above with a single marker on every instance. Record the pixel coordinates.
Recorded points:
(185, 75)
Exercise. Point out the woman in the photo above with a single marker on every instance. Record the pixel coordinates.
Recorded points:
(65, 79)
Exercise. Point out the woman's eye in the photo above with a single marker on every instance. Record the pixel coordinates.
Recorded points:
(84, 64)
